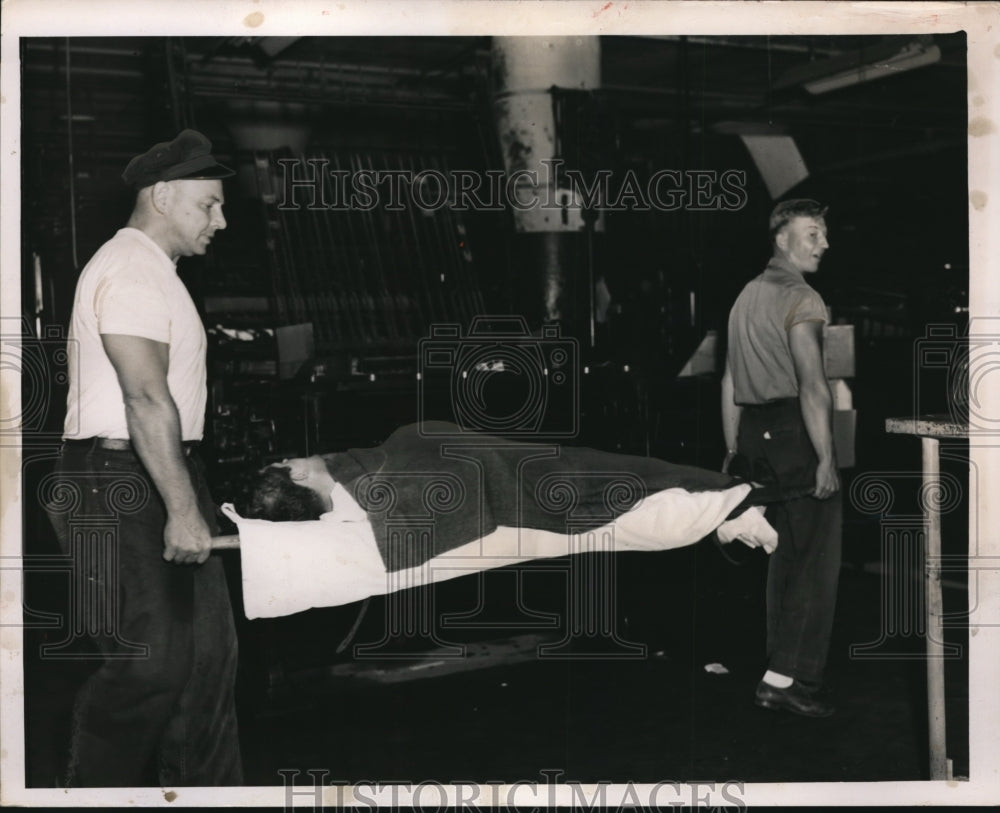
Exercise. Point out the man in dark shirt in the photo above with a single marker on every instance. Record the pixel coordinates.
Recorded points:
(777, 414)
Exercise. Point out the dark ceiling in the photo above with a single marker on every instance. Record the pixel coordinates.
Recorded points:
(650, 78)
(889, 154)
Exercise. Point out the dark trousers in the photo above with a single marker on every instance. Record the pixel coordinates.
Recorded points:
(804, 570)
(160, 709)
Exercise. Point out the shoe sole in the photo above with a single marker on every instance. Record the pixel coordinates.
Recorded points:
(770, 705)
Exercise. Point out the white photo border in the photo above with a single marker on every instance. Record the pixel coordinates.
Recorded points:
(980, 21)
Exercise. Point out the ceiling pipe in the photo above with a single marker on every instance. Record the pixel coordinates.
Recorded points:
(242, 64)
(853, 60)
(83, 70)
(748, 44)
(81, 48)
(327, 99)
(912, 56)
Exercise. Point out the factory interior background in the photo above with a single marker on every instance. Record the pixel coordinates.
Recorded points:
(317, 318)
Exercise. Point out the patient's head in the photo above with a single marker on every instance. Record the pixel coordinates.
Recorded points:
(291, 491)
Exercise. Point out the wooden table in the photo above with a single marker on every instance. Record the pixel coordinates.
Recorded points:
(931, 429)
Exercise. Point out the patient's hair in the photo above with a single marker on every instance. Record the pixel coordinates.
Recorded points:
(272, 494)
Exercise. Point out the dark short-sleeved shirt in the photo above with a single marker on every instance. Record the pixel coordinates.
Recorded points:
(760, 358)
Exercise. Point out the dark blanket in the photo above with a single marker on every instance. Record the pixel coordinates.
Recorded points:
(426, 494)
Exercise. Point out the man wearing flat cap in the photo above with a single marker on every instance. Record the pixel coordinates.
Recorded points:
(777, 413)
(160, 709)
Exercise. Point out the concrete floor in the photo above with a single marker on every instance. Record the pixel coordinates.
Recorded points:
(506, 713)
(662, 716)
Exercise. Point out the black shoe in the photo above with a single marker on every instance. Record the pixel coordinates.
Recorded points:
(796, 699)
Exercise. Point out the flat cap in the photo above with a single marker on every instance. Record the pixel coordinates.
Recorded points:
(187, 156)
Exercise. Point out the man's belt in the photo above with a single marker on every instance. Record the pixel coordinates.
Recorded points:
(767, 406)
(119, 444)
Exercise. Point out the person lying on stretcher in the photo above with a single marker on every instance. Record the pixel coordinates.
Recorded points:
(421, 508)
(482, 482)
(293, 490)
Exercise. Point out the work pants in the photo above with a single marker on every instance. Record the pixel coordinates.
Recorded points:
(805, 568)
(160, 709)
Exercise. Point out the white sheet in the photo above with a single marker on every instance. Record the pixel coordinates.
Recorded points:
(289, 567)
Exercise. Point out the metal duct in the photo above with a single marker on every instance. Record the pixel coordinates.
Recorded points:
(553, 247)
(526, 69)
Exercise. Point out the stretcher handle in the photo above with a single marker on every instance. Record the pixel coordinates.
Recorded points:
(226, 542)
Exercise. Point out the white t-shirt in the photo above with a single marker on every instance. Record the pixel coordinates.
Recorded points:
(131, 287)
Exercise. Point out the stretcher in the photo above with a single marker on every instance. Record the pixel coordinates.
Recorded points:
(289, 567)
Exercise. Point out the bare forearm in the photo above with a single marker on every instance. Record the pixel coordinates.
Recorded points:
(154, 427)
(806, 343)
(731, 413)
(817, 414)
